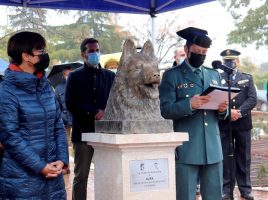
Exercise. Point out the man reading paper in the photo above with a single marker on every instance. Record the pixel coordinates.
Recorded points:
(180, 99)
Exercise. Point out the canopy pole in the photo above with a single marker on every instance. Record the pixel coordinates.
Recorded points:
(153, 31)
(153, 19)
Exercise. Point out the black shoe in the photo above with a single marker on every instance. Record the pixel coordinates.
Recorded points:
(226, 197)
(247, 196)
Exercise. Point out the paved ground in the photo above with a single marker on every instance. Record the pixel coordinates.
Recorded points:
(259, 157)
(259, 193)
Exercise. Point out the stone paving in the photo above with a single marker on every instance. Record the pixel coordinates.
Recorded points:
(259, 193)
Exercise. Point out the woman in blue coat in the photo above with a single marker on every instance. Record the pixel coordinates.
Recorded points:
(31, 129)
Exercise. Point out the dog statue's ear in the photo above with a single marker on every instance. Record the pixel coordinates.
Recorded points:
(129, 49)
(148, 49)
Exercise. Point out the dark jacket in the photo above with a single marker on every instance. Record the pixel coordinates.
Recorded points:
(174, 64)
(60, 95)
(245, 101)
(87, 92)
(33, 135)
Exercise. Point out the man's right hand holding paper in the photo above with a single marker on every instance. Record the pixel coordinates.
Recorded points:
(197, 101)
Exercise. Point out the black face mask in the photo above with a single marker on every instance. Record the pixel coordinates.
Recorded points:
(230, 64)
(43, 62)
(196, 60)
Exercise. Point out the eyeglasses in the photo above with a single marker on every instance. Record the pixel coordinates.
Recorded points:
(93, 50)
(39, 52)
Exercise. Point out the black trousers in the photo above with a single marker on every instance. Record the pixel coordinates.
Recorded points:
(242, 160)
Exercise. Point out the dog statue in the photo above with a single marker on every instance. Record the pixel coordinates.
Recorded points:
(133, 104)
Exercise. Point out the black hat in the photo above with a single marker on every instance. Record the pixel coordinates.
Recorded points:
(230, 54)
(195, 36)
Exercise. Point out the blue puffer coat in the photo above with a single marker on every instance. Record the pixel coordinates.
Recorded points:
(33, 135)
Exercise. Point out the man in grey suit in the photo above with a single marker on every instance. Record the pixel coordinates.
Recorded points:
(180, 101)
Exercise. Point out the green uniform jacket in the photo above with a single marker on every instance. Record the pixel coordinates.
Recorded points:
(178, 85)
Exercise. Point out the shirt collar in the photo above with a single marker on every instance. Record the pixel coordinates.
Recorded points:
(17, 68)
(191, 67)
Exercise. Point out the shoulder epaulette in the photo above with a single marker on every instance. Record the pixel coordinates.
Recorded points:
(171, 68)
(246, 73)
(209, 68)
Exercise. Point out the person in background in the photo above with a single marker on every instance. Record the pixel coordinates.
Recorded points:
(267, 90)
(180, 101)
(111, 64)
(1, 146)
(31, 131)
(87, 92)
(179, 56)
(241, 107)
(65, 114)
(60, 94)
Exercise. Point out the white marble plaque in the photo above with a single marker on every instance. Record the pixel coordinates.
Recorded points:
(148, 175)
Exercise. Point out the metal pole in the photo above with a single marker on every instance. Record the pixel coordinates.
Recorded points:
(231, 141)
(153, 31)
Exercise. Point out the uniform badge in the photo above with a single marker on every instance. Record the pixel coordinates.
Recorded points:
(179, 86)
(242, 81)
(223, 81)
(185, 85)
(214, 82)
(191, 85)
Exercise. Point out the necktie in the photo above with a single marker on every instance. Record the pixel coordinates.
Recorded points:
(198, 73)
(233, 76)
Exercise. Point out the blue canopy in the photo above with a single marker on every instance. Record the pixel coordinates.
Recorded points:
(151, 7)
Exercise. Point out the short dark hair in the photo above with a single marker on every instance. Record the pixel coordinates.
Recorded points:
(24, 42)
(86, 41)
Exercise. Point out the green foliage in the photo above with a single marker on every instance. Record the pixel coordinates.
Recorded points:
(251, 23)
(264, 66)
(27, 18)
(248, 66)
(64, 41)
(260, 76)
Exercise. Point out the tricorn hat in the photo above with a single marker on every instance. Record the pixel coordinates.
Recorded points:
(195, 36)
(230, 54)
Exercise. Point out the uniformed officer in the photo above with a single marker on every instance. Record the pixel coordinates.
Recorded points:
(241, 107)
(180, 101)
(179, 56)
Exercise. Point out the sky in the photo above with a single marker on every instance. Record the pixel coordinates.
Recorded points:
(217, 21)
(209, 16)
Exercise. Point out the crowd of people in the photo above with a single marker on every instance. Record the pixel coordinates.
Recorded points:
(38, 124)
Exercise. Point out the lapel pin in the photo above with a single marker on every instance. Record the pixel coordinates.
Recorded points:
(185, 85)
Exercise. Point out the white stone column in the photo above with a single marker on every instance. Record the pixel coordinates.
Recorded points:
(134, 166)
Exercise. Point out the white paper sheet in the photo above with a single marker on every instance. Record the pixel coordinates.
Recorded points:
(216, 98)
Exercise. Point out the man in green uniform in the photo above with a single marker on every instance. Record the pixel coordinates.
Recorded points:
(180, 101)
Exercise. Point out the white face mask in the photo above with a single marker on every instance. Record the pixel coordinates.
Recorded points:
(180, 61)
(113, 70)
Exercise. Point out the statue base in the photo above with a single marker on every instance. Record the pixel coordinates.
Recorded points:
(133, 127)
(134, 166)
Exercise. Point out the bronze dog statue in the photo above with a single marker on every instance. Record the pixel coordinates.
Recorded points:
(133, 104)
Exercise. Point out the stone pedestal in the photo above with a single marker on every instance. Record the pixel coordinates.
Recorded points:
(134, 166)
